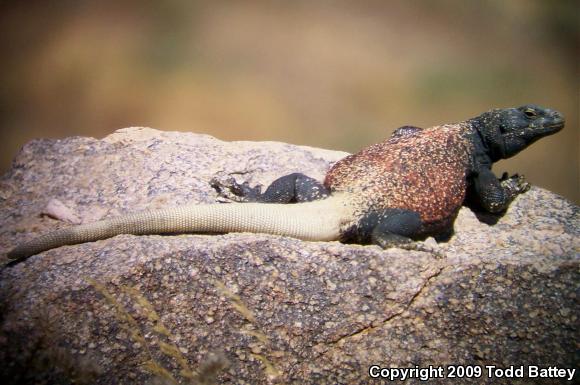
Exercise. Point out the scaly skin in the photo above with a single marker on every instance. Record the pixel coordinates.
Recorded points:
(406, 187)
(424, 172)
(413, 184)
(311, 221)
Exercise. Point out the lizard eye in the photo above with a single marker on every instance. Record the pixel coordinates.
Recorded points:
(530, 113)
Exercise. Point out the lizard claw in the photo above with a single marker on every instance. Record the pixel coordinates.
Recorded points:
(233, 191)
(226, 188)
(389, 240)
(516, 184)
(423, 247)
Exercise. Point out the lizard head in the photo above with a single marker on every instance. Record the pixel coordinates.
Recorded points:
(507, 131)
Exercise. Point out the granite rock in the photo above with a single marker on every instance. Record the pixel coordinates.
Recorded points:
(259, 309)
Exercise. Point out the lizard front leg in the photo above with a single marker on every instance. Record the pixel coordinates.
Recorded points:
(494, 194)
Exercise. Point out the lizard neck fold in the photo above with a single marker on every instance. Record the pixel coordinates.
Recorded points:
(487, 139)
(481, 151)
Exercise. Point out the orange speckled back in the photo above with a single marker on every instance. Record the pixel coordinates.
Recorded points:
(424, 171)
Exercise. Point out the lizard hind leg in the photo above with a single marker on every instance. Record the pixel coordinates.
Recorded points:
(397, 228)
(386, 228)
(392, 227)
(290, 188)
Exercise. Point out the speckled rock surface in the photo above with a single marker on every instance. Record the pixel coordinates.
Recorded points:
(258, 309)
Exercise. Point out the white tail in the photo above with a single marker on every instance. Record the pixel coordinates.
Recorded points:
(312, 221)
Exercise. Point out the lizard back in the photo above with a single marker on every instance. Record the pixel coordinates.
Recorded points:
(424, 171)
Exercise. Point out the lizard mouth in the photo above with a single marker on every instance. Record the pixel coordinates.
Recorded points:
(553, 127)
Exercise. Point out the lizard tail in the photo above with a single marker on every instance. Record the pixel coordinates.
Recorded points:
(313, 221)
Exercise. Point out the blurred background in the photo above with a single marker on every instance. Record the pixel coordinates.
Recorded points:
(333, 74)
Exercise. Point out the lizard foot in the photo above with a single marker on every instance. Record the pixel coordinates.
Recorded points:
(405, 243)
(428, 246)
(422, 247)
(514, 185)
(387, 240)
(230, 190)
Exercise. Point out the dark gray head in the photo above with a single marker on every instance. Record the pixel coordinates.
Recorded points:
(507, 131)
